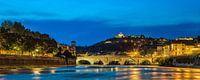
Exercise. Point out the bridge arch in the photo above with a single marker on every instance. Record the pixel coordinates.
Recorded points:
(157, 60)
(145, 62)
(130, 62)
(84, 62)
(115, 60)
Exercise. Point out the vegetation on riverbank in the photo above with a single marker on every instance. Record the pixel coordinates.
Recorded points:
(190, 61)
(14, 36)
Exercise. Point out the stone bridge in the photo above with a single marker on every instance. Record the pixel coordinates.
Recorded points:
(107, 59)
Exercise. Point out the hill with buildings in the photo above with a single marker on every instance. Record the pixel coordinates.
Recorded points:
(143, 46)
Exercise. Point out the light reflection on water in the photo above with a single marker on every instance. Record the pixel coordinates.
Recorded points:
(102, 72)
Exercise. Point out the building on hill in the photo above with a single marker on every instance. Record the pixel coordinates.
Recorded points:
(178, 49)
(120, 35)
(134, 53)
(181, 49)
(186, 39)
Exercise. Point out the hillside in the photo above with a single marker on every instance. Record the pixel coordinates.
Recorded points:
(14, 36)
(118, 45)
(122, 44)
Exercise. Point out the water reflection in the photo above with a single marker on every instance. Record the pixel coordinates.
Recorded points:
(36, 71)
(102, 72)
(52, 71)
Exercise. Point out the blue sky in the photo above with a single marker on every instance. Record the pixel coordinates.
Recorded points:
(90, 21)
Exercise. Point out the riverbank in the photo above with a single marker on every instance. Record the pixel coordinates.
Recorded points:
(11, 60)
(15, 62)
(184, 66)
(4, 67)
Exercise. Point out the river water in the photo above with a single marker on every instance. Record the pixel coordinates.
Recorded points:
(102, 73)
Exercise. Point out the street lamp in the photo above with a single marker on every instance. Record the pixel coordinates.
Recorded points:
(37, 50)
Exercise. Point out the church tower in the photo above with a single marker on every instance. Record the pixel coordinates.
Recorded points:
(120, 35)
(73, 47)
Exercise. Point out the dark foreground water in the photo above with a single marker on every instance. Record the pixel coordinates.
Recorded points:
(102, 73)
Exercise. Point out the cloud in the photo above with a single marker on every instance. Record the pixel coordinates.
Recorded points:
(132, 12)
(13, 13)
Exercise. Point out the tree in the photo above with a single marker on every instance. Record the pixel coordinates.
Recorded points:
(3, 30)
(36, 34)
(45, 36)
(17, 37)
(7, 25)
(18, 28)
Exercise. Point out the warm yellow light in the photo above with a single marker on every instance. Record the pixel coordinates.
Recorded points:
(36, 71)
(52, 71)
(36, 50)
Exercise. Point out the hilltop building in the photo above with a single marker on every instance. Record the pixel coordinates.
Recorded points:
(120, 35)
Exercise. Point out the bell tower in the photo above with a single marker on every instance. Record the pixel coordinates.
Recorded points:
(73, 47)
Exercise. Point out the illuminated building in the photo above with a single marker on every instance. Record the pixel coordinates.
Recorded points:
(181, 49)
(71, 49)
(108, 42)
(184, 39)
(133, 54)
(120, 35)
(177, 49)
(163, 50)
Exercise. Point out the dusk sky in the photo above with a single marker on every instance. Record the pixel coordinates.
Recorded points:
(91, 21)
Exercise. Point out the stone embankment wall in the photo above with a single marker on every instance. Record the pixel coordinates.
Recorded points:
(27, 60)
(25, 53)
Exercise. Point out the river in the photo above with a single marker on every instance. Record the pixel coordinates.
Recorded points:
(102, 73)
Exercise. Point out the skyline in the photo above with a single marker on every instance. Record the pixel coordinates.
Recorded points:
(78, 20)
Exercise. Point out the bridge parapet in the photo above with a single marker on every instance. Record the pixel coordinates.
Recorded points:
(106, 59)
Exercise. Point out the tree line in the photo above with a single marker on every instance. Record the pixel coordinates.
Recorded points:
(14, 36)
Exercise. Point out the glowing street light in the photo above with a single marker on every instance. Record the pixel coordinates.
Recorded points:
(37, 50)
